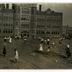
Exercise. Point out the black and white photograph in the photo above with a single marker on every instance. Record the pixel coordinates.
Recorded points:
(35, 35)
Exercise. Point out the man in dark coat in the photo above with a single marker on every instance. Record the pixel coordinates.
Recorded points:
(48, 41)
(68, 53)
(41, 41)
(4, 51)
(4, 39)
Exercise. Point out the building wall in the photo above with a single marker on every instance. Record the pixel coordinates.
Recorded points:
(40, 25)
(26, 19)
(6, 21)
(16, 16)
(0, 22)
(54, 20)
(48, 23)
(67, 31)
(37, 23)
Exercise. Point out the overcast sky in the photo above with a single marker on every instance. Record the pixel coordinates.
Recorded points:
(65, 8)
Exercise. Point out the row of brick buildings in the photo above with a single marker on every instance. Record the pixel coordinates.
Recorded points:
(27, 20)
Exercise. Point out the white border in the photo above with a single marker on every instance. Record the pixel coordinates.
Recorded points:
(35, 1)
(32, 70)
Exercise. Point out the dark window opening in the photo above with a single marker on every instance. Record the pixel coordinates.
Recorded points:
(7, 6)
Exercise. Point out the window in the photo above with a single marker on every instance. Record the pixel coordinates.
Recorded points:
(57, 32)
(6, 31)
(40, 19)
(11, 31)
(48, 32)
(7, 5)
(52, 32)
(25, 10)
(3, 31)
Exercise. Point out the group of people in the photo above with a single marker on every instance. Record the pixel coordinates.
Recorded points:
(9, 39)
(16, 57)
(41, 48)
(67, 48)
(47, 42)
(44, 42)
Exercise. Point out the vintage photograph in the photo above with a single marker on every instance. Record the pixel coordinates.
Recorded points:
(35, 35)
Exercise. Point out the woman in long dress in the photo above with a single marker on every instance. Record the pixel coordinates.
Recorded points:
(16, 55)
(10, 40)
(41, 47)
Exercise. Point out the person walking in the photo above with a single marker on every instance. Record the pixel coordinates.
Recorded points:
(16, 55)
(68, 53)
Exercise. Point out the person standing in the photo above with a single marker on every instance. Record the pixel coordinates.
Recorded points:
(16, 55)
(68, 53)
(10, 40)
(41, 47)
(4, 39)
(41, 41)
(53, 43)
(4, 51)
(48, 41)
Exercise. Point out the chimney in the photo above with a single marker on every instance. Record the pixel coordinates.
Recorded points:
(40, 7)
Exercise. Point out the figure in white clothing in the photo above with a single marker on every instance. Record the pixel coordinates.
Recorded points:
(53, 43)
(16, 55)
(48, 50)
(68, 45)
(41, 47)
(48, 41)
(10, 40)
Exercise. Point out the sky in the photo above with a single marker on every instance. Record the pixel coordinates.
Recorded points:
(65, 8)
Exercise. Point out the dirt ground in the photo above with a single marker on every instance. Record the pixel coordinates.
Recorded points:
(29, 58)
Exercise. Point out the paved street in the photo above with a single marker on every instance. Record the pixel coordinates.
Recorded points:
(29, 58)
